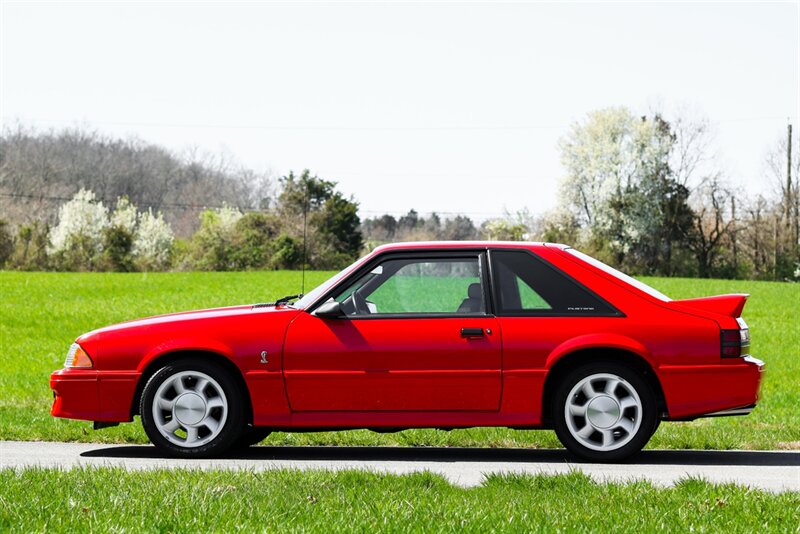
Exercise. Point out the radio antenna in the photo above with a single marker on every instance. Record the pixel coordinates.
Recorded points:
(305, 211)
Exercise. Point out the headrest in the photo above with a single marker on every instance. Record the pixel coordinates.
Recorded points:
(474, 291)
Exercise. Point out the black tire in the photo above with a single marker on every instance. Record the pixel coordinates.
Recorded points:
(625, 438)
(251, 435)
(222, 388)
(655, 427)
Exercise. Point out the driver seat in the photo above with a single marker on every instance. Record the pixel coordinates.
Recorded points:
(474, 301)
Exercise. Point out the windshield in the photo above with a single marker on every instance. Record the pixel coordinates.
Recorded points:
(641, 286)
(321, 289)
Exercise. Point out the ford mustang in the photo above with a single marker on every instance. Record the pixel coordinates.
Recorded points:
(425, 335)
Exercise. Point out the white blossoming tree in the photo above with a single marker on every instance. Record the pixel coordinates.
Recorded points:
(152, 245)
(77, 240)
(620, 188)
(227, 217)
(125, 215)
(87, 237)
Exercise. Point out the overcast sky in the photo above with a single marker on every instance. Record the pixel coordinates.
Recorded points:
(434, 106)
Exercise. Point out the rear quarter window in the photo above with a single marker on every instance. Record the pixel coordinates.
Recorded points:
(527, 285)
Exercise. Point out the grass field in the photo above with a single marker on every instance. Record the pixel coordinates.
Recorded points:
(106, 500)
(41, 313)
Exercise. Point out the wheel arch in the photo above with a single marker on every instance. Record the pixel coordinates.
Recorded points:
(559, 369)
(160, 361)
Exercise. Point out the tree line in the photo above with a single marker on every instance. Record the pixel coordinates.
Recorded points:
(641, 192)
(647, 195)
(309, 219)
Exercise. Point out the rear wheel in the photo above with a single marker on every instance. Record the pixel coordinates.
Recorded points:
(192, 409)
(604, 412)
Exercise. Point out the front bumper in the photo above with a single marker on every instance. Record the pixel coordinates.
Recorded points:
(93, 395)
(711, 390)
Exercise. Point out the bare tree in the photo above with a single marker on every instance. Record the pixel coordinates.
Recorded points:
(754, 236)
(782, 175)
(692, 158)
(709, 225)
(40, 170)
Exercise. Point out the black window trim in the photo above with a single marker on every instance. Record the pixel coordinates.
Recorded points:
(615, 312)
(432, 253)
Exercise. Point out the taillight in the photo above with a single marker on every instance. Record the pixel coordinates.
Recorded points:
(735, 343)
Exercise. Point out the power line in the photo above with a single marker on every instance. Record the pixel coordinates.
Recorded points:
(280, 127)
(368, 128)
(250, 209)
(110, 201)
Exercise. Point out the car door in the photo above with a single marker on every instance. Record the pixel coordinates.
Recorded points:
(415, 335)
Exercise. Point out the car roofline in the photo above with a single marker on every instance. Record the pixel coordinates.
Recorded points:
(417, 245)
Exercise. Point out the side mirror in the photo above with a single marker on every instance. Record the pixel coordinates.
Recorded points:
(330, 310)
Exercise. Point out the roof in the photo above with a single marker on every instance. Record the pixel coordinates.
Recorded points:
(465, 244)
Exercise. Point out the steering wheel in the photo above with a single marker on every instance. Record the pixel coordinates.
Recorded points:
(360, 304)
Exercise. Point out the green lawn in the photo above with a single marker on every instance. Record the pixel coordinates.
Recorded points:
(41, 313)
(113, 500)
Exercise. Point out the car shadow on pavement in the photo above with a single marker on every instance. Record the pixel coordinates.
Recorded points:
(463, 454)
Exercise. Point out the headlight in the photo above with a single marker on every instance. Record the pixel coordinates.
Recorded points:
(77, 357)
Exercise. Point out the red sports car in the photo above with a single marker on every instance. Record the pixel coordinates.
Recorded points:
(435, 335)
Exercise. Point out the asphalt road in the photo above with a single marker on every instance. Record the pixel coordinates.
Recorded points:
(769, 470)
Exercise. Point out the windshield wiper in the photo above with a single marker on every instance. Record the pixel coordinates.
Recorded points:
(285, 300)
(282, 300)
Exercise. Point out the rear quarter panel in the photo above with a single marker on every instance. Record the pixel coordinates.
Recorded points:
(660, 336)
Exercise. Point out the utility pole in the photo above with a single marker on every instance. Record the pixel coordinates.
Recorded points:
(777, 250)
(759, 247)
(794, 197)
(787, 241)
(734, 231)
(789, 176)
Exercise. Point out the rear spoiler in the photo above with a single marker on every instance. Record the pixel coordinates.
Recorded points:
(730, 305)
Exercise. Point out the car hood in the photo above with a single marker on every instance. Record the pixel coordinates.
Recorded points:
(181, 319)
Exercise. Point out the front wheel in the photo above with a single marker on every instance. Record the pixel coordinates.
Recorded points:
(604, 412)
(192, 409)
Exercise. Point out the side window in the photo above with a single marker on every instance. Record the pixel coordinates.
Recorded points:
(417, 286)
(527, 285)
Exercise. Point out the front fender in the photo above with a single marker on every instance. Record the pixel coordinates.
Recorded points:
(185, 345)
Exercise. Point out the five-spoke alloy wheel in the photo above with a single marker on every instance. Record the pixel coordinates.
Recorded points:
(604, 412)
(192, 409)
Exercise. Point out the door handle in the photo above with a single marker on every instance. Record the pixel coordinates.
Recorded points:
(472, 332)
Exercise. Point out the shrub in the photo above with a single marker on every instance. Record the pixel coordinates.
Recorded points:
(212, 246)
(252, 241)
(288, 253)
(6, 242)
(118, 237)
(30, 253)
(117, 245)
